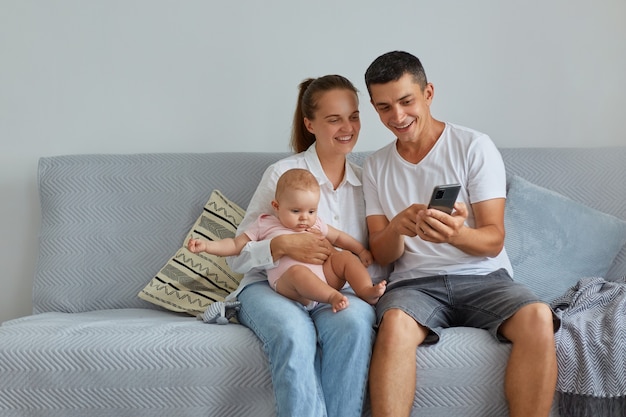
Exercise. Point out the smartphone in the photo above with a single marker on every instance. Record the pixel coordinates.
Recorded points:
(444, 197)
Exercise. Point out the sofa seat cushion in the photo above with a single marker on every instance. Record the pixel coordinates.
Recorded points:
(131, 362)
(462, 375)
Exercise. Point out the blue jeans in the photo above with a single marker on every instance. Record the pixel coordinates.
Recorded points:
(319, 360)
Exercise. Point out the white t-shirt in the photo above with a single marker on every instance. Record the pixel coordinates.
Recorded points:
(391, 184)
(343, 208)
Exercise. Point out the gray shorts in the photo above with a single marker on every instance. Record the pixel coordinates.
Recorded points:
(437, 302)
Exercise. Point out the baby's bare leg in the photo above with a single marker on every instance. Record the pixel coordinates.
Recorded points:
(344, 266)
(300, 284)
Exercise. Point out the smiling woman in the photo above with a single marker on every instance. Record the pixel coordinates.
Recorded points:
(326, 127)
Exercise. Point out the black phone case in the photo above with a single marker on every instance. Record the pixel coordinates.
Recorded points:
(444, 197)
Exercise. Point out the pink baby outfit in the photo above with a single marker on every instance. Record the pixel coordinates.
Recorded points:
(268, 226)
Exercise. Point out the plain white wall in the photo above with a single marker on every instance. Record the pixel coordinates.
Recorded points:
(127, 76)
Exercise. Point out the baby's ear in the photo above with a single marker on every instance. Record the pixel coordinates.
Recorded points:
(275, 205)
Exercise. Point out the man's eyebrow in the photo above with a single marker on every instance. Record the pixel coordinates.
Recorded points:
(380, 103)
(384, 103)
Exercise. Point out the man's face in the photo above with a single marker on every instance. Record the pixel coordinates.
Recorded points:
(403, 107)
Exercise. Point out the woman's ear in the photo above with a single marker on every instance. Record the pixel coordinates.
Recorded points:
(309, 125)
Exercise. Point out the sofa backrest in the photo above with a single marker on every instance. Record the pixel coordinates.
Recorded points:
(110, 222)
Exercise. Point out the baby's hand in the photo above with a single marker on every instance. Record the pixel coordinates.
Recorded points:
(195, 245)
(366, 257)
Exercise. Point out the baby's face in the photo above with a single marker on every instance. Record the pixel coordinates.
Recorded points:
(297, 209)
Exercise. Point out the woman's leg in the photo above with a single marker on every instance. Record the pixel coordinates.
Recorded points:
(346, 340)
(289, 338)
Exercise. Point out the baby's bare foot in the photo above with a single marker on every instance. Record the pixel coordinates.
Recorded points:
(373, 293)
(338, 301)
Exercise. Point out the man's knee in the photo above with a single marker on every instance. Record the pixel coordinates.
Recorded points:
(400, 328)
(532, 321)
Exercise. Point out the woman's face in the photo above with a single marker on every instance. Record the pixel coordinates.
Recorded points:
(337, 123)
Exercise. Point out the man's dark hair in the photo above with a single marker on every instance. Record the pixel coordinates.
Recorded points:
(392, 66)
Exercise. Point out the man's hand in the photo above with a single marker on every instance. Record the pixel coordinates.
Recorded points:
(387, 237)
(438, 227)
(405, 223)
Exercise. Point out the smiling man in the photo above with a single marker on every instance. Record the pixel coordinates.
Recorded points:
(449, 269)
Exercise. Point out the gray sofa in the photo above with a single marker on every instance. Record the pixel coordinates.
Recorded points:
(110, 222)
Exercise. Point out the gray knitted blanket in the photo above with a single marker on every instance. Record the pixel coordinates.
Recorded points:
(591, 349)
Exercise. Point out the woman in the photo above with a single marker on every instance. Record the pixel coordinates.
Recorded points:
(319, 359)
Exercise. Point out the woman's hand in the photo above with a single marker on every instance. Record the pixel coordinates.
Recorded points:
(311, 247)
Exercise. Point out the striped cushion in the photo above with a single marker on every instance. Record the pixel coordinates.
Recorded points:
(190, 282)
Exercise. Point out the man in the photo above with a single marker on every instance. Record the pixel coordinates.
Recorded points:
(449, 269)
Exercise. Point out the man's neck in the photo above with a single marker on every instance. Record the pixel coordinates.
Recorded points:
(414, 151)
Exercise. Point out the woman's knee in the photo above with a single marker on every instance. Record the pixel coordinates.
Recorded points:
(273, 317)
(355, 323)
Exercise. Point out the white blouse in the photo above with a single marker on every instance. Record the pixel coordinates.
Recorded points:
(342, 208)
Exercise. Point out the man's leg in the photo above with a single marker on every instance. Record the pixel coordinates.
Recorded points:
(392, 370)
(531, 372)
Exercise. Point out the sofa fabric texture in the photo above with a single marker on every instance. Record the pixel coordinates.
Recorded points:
(93, 347)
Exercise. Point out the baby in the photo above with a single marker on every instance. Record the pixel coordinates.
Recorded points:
(295, 211)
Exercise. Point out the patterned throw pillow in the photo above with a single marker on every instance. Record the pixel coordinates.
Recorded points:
(191, 282)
